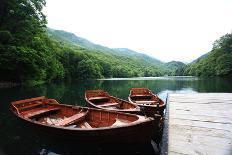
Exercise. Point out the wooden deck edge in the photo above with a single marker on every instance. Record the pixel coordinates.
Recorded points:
(164, 141)
(201, 134)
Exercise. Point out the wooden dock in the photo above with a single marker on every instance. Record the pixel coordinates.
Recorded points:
(198, 124)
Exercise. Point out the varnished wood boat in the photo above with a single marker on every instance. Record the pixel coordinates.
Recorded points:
(148, 102)
(83, 124)
(102, 100)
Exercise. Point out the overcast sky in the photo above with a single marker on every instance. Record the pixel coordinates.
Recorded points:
(165, 29)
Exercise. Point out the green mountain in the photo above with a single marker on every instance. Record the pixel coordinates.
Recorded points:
(33, 53)
(201, 57)
(72, 39)
(175, 67)
(218, 62)
(121, 62)
(131, 53)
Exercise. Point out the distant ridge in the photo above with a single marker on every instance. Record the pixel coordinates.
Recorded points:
(130, 52)
(174, 65)
(133, 62)
(201, 57)
(217, 62)
(71, 38)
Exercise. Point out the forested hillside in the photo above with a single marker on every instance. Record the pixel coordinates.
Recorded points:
(175, 67)
(201, 57)
(121, 62)
(218, 62)
(73, 40)
(27, 54)
(32, 53)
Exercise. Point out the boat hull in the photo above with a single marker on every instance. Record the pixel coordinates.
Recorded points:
(82, 124)
(149, 103)
(133, 108)
(152, 110)
(133, 111)
(128, 134)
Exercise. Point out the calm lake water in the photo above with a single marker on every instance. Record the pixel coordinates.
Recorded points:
(16, 139)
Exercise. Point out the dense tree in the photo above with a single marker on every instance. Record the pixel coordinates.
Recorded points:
(217, 63)
(26, 54)
(23, 19)
(224, 43)
(175, 67)
(30, 52)
(87, 69)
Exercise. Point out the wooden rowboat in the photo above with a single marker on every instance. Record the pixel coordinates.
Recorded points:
(102, 100)
(83, 124)
(149, 102)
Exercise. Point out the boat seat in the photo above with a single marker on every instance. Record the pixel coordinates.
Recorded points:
(38, 112)
(85, 125)
(144, 102)
(29, 106)
(120, 122)
(141, 97)
(72, 119)
(108, 104)
(99, 99)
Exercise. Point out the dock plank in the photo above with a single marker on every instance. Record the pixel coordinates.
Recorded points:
(199, 123)
(217, 110)
(204, 118)
(185, 130)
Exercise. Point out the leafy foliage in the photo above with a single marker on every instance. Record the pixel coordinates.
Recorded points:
(118, 62)
(217, 63)
(31, 53)
(26, 51)
(176, 67)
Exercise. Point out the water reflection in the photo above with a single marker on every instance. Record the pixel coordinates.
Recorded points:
(14, 135)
